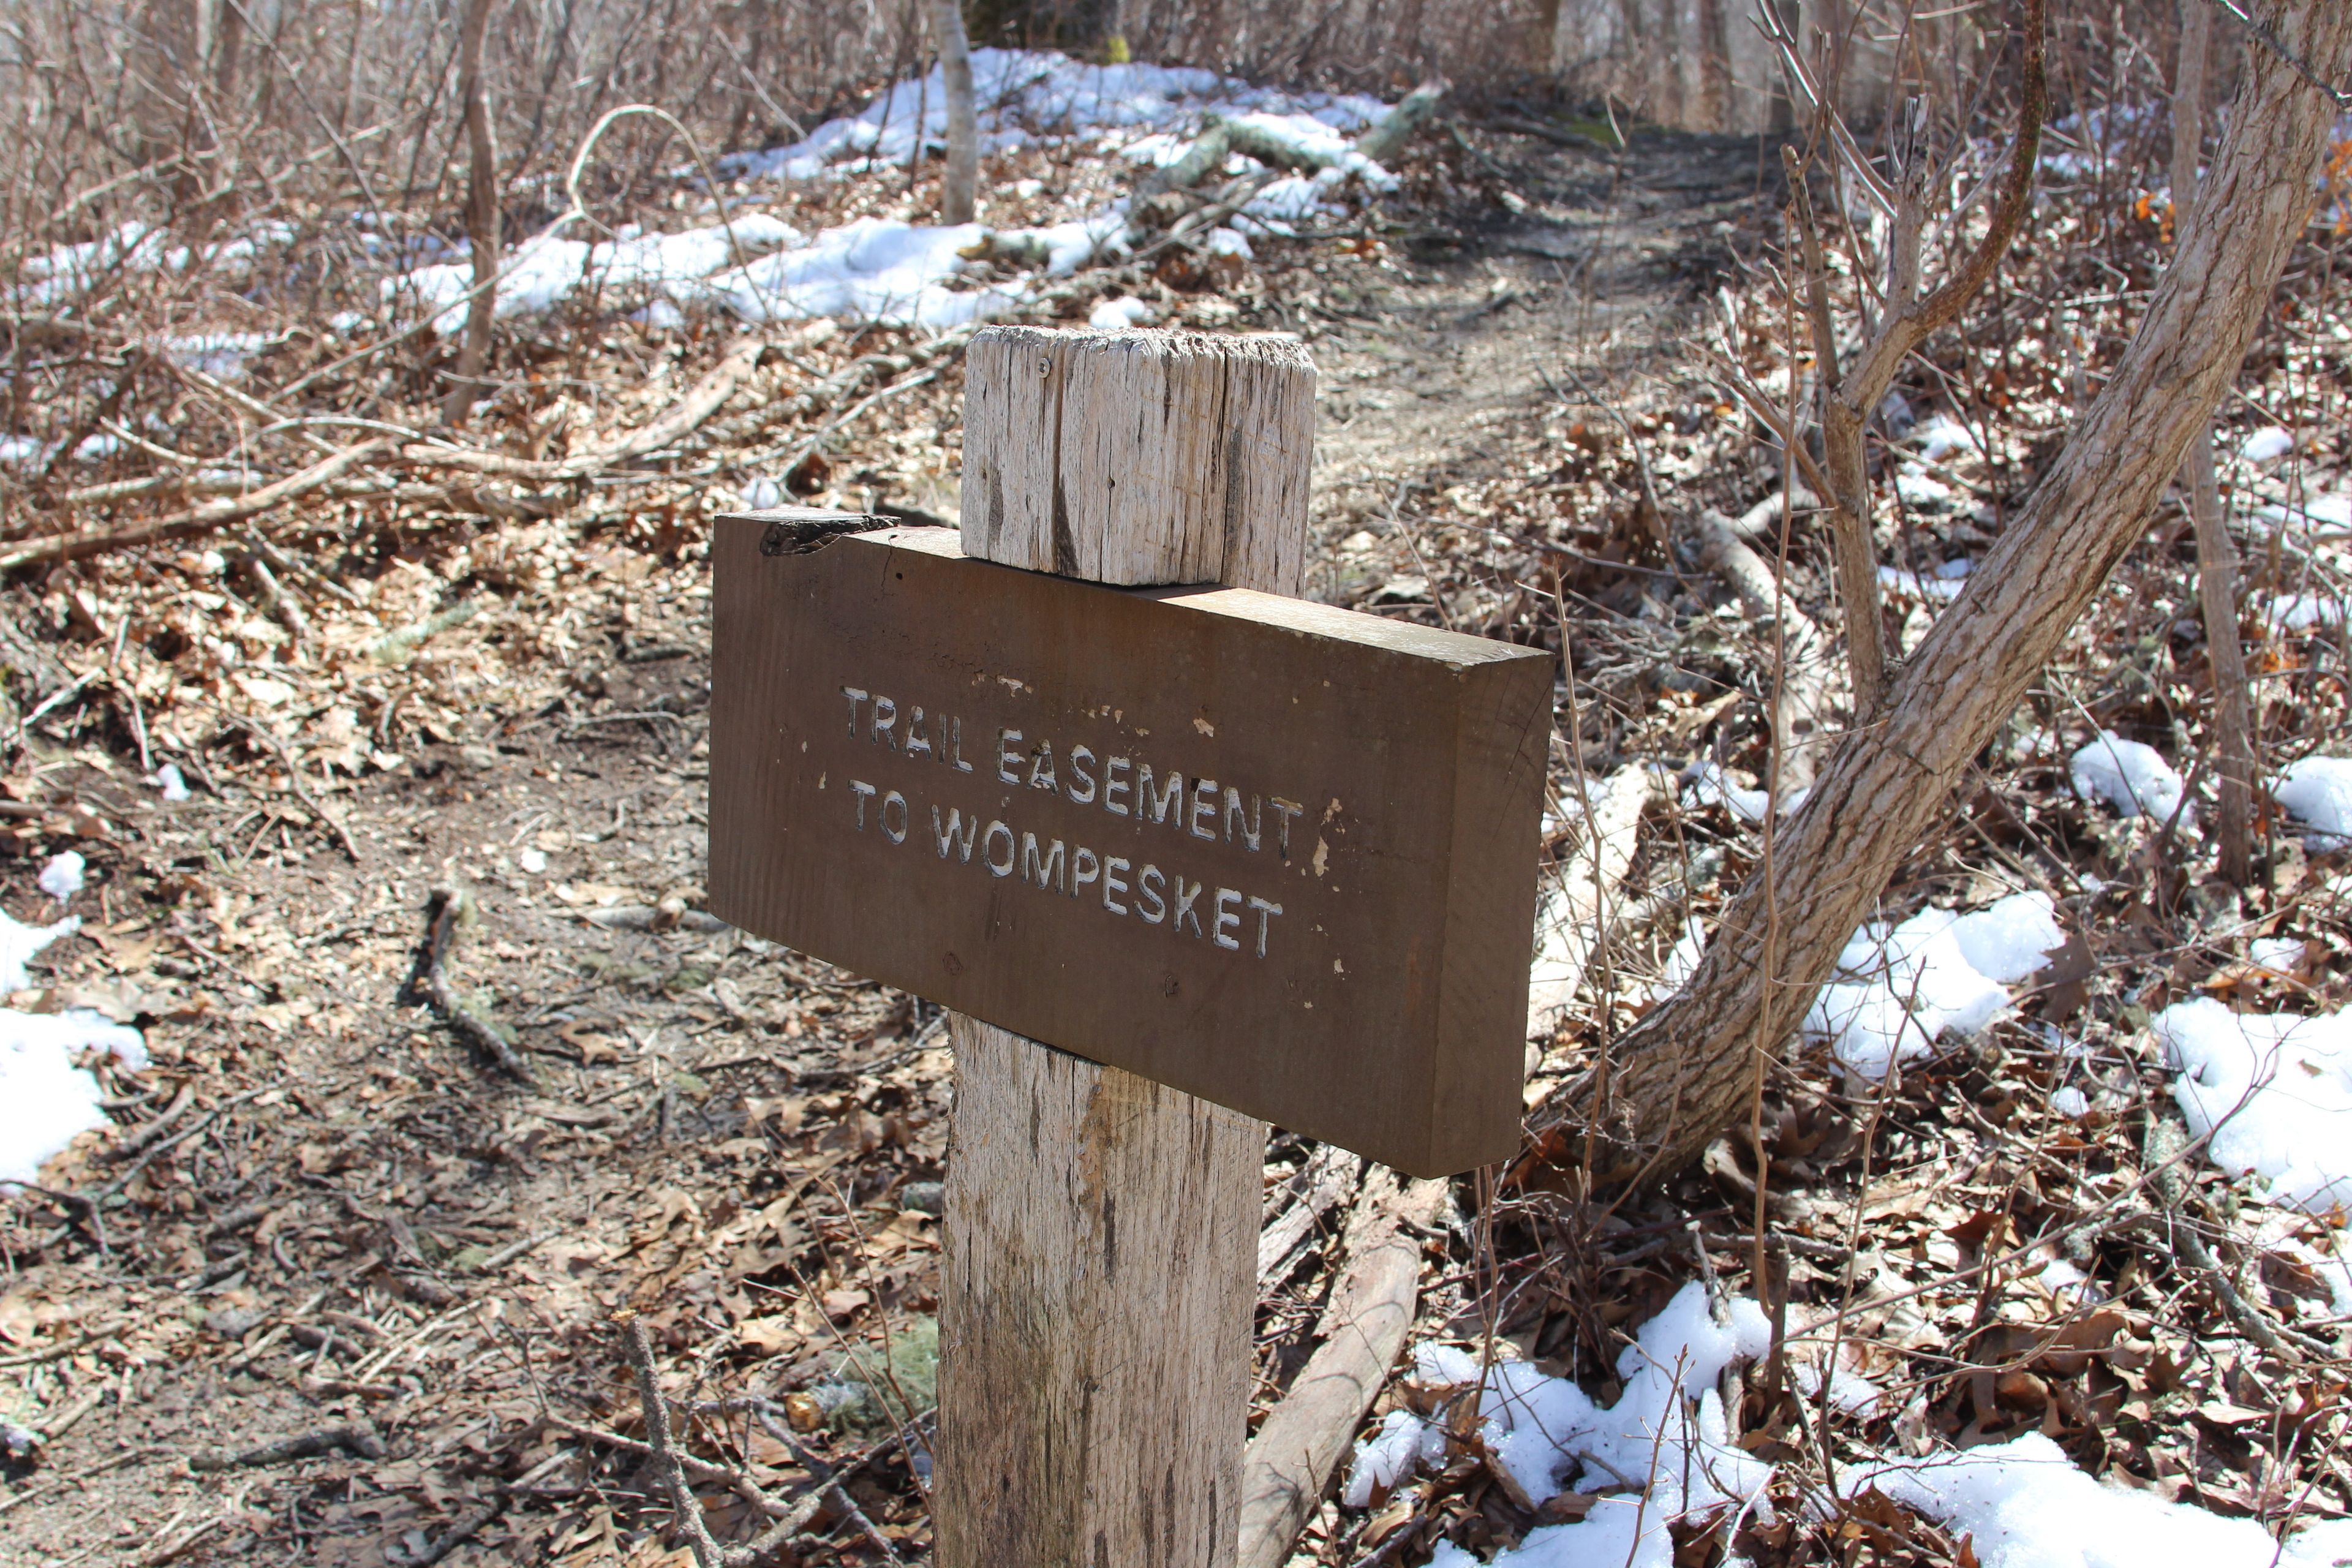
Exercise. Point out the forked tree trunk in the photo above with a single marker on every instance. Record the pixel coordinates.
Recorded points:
(1685, 1072)
(481, 214)
(1851, 394)
(2217, 554)
(955, 194)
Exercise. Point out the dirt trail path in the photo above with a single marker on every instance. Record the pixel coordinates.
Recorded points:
(742, 1144)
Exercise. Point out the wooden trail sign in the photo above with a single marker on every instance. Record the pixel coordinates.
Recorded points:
(1098, 1274)
(1270, 853)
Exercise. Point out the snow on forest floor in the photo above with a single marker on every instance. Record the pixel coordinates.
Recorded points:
(314, 1207)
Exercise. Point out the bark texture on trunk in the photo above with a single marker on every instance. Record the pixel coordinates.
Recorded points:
(956, 193)
(1684, 1074)
(481, 213)
(2217, 553)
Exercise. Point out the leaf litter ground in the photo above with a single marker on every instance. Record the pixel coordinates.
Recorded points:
(322, 1216)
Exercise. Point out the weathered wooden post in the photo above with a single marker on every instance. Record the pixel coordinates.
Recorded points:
(1101, 1230)
(1245, 856)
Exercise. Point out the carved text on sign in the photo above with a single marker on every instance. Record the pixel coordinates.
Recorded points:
(1122, 786)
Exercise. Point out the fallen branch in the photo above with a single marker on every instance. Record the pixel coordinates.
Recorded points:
(467, 1526)
(200, 521)
(1326, 1178)
(2167, 1141)
(790, 1518)
(702, 400)
(1801, 694)
(1574, 916)
(1297, 1447)
(79, 1209)
(448, 909)
(1397, 127)
(358, 1439)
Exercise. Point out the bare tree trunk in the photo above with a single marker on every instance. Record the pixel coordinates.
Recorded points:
(2217, 554)
(481, 213)
(165, 65)
(956, 192)
(1686, 1071)
(1713, 67)
(228, 47)
(1671, 102)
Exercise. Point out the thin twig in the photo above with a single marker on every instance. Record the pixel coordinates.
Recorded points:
(442, 915)
(706, 1550)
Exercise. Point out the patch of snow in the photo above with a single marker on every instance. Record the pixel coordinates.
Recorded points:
(1850, 1391)
(1941, 437)
(661, 315)
(1289, 200)
(220, 355)
(167, 780)
(2318, 519)
(2301, 612)
(759, 494)
(1666, 1430)
(19, 943)
(1708, 785)
(1682, 958)
(902, 274)
(1117, 315)
(2129, 776)
(59, 275)
(1922, 488)
(2070, 1102)
(46, 1101)
(61, 878)
(2010, 938)
(1942, 586)
(877, 269)
(1405, 1443)
(1070, 246)
(2317, 792)
(2267, 445)
(1896, 990)
(1020, 94)
(546, 270)
(2025, 1505)
(2273, 1089)
(25, 452)
(1229, 242)
(2279, 954)
(2022, 1504)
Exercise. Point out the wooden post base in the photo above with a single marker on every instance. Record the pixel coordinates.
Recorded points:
(1099, 1277)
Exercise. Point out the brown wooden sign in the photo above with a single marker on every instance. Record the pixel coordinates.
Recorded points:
(1276, 855)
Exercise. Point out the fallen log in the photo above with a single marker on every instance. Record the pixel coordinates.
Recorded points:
(1802, 688)
(1574, 916)
(1298, 1446)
